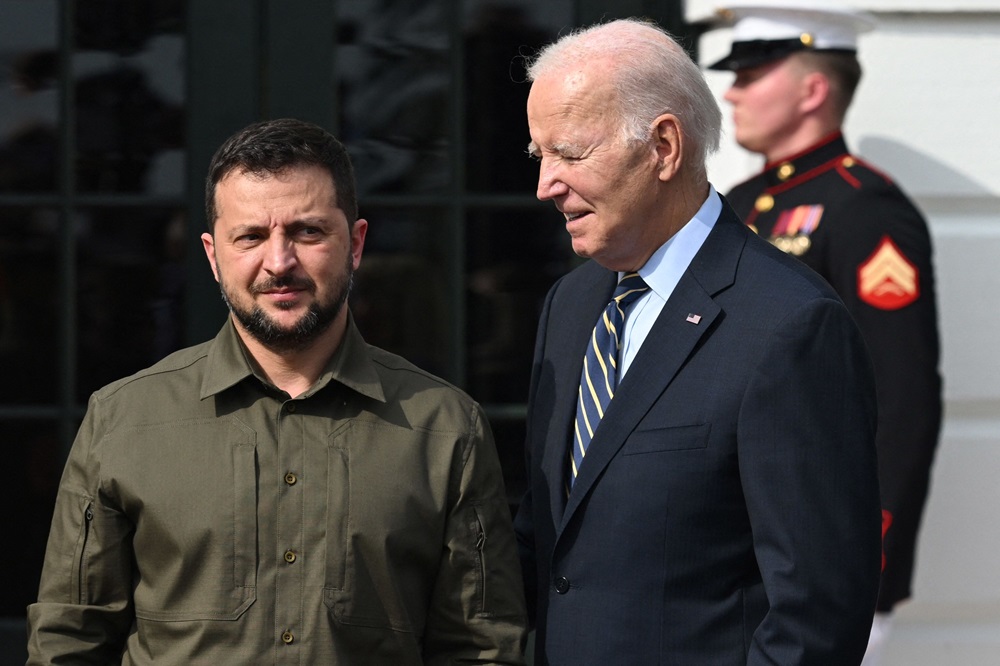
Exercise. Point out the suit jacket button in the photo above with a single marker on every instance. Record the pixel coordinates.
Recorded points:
(562, 585)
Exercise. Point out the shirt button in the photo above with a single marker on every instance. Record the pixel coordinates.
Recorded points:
(287, 637)
(290, 478)
(289, 556)
(291, 407)
(562, 585)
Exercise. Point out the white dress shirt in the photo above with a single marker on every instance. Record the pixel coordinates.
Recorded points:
(662, 273)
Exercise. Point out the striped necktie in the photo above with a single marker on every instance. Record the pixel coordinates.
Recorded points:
(599, 378)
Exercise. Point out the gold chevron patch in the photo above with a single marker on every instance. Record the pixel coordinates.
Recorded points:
(887, 279)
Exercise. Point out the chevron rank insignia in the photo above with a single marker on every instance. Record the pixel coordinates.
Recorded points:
(887, 280)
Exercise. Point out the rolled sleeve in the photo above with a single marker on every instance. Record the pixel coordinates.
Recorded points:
(84, 607)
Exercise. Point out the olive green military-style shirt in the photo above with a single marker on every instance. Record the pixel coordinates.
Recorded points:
(205, 517)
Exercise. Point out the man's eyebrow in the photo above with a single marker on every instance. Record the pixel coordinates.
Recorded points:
(559, 149)
(309, 221)
(247, 228)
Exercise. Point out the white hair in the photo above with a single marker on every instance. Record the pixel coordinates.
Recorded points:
(655, 75)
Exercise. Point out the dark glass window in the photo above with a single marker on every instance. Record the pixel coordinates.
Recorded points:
(29, 99)
(29, 315)
(32, 451)
(497, 36)
(512, 258)
(93, 232)
(392, 79)
(401, 291)
(130, 287)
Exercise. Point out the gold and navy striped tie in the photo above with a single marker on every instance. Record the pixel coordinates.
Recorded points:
(599, 378)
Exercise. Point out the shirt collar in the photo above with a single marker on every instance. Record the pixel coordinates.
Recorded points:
(665, 267)
(351, 365)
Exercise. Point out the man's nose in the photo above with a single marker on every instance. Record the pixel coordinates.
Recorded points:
(279, 257)
(550, 185)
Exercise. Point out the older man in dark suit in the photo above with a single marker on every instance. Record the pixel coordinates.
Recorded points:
(701, 437)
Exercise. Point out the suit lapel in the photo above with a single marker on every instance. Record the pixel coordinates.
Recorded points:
(671, 341)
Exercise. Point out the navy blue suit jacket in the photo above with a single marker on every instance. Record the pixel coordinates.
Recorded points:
(727, 511)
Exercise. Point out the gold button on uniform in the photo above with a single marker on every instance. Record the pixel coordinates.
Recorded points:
(764, 203)
(290, 479)
(786, 171)
(848, 162)
(289, 556)
(806, 39)
(287, 637)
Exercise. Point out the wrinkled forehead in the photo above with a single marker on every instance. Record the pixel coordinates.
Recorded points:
(581, 91)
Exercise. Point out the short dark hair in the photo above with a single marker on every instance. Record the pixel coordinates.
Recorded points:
(843, 71)
(272, 146)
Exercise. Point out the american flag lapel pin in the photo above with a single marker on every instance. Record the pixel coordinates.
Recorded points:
(694, 318)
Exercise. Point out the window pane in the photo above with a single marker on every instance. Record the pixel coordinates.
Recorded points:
(129, 91)
(513, 258)
(28, 96)
(509, 434)
(392, 73)
(497, 38)
(400, 297)
(34, 453)
(29, 305)
(131, 273)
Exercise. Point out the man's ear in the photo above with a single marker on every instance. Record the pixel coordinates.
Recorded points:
(208, 242)
(358, 232)
(815, 91)
(669, 142)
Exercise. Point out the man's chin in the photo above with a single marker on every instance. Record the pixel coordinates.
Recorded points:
(580, 247)
(286, 339)
(285, 320)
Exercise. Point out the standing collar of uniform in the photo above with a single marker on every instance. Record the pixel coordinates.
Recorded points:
(828, 148)
(351, 365)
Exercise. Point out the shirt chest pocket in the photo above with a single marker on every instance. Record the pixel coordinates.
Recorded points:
(387, 498)
(190, 490)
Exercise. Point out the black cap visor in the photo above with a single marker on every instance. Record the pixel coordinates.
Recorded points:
(760, 51)
(757, 52)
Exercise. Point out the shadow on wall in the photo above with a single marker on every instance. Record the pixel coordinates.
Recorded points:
(922, 175)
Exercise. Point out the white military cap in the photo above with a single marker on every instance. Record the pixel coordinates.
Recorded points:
(765, 30)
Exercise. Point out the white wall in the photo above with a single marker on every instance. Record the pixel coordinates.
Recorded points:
(926, 113)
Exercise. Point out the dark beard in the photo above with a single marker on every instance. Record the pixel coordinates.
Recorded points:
(313, 324)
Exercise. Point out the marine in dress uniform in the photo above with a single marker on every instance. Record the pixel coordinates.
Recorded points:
(856, 228)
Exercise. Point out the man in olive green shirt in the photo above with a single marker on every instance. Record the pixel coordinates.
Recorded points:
(285, 493)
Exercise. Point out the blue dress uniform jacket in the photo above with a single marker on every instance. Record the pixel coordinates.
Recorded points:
(858, 230)
(727, 509)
